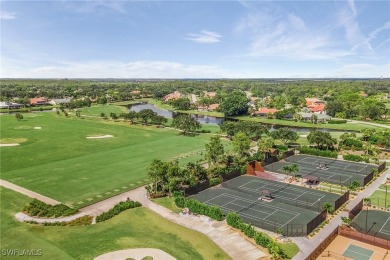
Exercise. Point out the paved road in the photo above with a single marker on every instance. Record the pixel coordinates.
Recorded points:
(368, 123)
(29, 193)
(307, 245)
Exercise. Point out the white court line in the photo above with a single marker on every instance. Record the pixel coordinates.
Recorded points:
(229, 202)
(213, 198)
(263, 205)
(257, 210)
(271, 214)
(385, 231)
(291, 220)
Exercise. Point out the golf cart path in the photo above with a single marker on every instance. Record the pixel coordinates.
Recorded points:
(307, 245)
(230, 241)
(29, 193)
(136, 253)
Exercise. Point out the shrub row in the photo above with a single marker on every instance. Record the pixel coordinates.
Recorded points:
(199, 207)
(118, 208)
(81, 221)
(318, 152)
(337, 121)
(41, 209)
(235, 221)
(352, 157)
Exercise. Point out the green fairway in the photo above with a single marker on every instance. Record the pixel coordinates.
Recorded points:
(135, 228)
(96, 110)
(60, 162)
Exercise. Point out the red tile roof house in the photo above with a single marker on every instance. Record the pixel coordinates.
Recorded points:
(315, 105)
(212, 107)
(38, 101)
(174, 95)
(263, 111)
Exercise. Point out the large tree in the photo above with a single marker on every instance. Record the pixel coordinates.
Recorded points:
(234, 104)
(146, 114)
(321, 139)
(214, 150)
(285, 135)
(241, 145)
(265, 144)
(186, 123)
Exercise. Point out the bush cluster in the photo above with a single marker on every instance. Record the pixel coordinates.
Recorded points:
(352, 157)
(41, 209)
(118, 208)
(337, 121)
(235, 221)
(81, 221)
(352, 142)
(215, 181)
(318, 152)
(199, 207)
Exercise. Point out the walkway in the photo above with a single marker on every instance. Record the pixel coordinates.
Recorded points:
(29, 193)
(236, 246)
(229, 240)
(307, 245)
(368, 123)
(23, 218)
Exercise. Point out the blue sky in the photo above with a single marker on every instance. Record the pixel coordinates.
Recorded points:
(195, 39)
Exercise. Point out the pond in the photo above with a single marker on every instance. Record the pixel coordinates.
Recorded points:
(218, 120)
(203, 119)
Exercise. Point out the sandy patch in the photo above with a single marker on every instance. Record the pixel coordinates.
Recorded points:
(38, 127)
(5, 145)
(303, 135)
(137, 253)
(100, 137)
(23, 127)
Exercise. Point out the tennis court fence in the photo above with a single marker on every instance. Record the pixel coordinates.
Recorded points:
(365, 238)
(382, 167)
(352, 213)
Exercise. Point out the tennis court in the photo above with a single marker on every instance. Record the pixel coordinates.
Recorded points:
(327, 169)
(358, 253)
(283, 192)
(267, 215)
(373, 222)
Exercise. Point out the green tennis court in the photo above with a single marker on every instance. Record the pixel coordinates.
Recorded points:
(327, 169)
(373, 222)
(293, 209)
(283, 192)
(358, 253)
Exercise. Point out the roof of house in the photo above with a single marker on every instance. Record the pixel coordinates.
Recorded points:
(37, 100)
(213, 106)
(317, 108)
(174, 95)
(61, 100)
(209, 94)
(319, 116)
(264, 110)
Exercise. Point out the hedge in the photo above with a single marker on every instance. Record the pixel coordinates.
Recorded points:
(118, 208)
(81, 221)
(352, 157)
(199, 207)
(235, 221)
(41, 209)
(337, 121)
(317, 152)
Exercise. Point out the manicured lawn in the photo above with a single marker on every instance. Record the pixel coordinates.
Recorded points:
(96, 110)
(60, 162)
(347, 126)
(133, 228)
(168, 202)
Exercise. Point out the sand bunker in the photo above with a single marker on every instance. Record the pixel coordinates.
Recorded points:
(99, 137)
(136, 253)
(37, 127)
(5, 145)
(303, 135)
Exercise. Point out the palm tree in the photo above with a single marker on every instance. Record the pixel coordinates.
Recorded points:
(328, 207)
(264, 145)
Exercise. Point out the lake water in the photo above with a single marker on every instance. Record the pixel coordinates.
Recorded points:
(169, 114)
(218, 120)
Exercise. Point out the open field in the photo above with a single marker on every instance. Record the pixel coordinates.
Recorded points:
(58, 160)
(135, 228)
(96, 110)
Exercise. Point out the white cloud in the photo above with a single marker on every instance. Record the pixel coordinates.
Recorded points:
(352, 6)
(204, 37)
(363, 70)
(7, 16)
(115, 69)
(296, 22)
